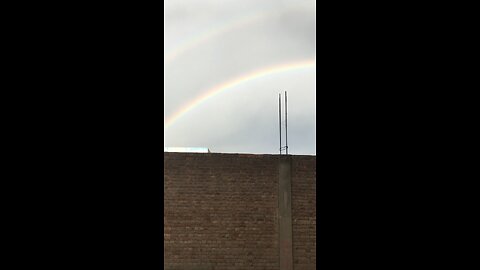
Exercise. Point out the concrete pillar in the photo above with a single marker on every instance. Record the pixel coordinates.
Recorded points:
(285, 213)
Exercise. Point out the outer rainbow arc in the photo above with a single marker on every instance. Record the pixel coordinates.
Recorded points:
(209, 34)
(235, 82)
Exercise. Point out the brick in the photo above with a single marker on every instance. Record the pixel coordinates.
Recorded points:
(220, 211)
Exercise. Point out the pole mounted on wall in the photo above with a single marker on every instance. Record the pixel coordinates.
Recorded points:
(286, 129)
(280, 123)
(280, 120)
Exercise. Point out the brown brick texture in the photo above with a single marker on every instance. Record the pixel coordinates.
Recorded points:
(220, 211)
(304, 209)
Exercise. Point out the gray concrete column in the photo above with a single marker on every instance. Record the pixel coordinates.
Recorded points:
(285, 213)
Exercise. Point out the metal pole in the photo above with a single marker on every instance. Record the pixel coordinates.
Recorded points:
(280, 120)
(286, 130)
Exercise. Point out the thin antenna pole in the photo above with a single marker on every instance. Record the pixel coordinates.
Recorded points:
(286, 129)
(280, 120)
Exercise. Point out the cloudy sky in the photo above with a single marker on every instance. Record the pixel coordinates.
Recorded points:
(226, 61)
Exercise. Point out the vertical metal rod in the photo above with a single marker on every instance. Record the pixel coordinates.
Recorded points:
(286, 129)
(280, 120)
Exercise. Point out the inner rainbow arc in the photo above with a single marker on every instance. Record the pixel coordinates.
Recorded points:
(215, 90)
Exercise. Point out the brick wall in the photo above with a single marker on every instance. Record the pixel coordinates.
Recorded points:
(304, 207)
(220, 211)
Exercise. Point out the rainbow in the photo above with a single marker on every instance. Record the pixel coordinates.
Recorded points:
(215, 90)
(219, 30)
(203, 37)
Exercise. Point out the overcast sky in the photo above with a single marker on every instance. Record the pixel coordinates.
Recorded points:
(212, 42)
